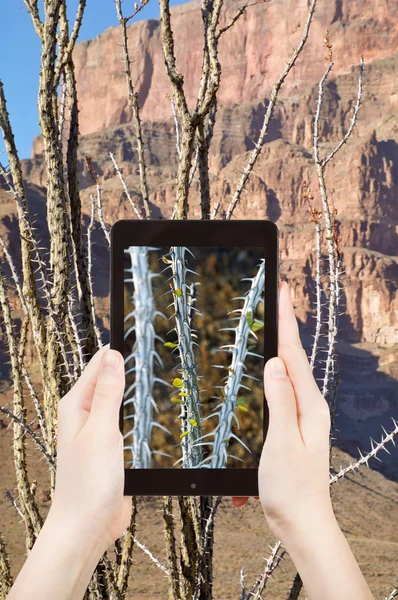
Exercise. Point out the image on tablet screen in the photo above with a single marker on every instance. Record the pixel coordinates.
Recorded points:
(193, 350)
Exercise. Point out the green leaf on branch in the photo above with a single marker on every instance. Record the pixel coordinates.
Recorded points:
(183, 394)
(193, 422)
(170, 345)
(177, 292)
(178, 383)
(249, 318)
(184, 433)
(257, 325)
(176, 400)
(166, 260)
(241, 401)
(243, 408)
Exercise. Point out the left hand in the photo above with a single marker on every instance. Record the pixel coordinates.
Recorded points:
(90, 470)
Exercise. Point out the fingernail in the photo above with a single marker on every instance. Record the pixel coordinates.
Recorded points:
(278, 369)
(111, 360)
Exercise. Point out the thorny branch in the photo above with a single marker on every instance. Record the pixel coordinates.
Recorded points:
(272, 562)
(133, 98)
(264, 129)
(124, 184)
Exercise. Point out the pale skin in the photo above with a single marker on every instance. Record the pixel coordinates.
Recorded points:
(89, 510)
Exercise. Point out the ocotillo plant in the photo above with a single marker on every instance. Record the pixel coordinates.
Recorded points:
(188, 395)
(143, 355)
(247, 326)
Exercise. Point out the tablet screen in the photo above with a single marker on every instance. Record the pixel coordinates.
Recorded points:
(193, 349)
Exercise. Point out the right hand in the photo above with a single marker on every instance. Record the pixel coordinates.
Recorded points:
(294, 465)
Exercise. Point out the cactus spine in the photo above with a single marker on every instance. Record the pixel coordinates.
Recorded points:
(190, 407)
(236, 371)
(143, 355)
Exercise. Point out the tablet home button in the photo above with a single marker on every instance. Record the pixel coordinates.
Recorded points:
(193, 486)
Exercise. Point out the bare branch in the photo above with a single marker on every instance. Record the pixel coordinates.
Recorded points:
(124, 184)
(318, 294)
(56, 198)
(127, 549)
(79, 251)
(32, 6)
(137, 10)
(296, 588)
(211, 73)
(315, 217)
(32, 517)
(11, 498)
(14, 275)
(177, 127)
(6, 579)
(29, 248)
(203, 160)
(153, 558)
(264, 129)
(365, 458)
(207, 540)
(354, 117)
(133, 98)
(65, 52)
(272, 562)
(393, 594)
(174, 574)
(332, 246)
(235, 18)
(181, 107)
(75, 329)
(32, 433)
(90, 270)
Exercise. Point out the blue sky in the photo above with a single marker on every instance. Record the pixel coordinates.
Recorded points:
(20, 57)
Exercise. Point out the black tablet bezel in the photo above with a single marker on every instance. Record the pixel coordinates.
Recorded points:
(201, 482)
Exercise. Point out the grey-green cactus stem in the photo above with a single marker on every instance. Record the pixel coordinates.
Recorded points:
(190, 409)
(143, 355)
(239, 350)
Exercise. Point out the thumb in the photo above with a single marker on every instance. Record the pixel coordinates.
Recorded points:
(109, 388)
(281, 401)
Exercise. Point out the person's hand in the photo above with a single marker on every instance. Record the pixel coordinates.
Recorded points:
(293, 474)
(90, 470)
(294, 465)
(89, 511)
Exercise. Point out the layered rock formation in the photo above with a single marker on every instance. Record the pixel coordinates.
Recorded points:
(253, 53)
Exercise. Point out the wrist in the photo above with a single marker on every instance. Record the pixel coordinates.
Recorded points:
(323, 558)
(73, 535)
(61, 562)
(305, 525)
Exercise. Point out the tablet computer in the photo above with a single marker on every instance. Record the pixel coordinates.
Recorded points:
(194, 313)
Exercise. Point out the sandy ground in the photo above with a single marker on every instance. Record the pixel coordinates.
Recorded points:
(366, 505)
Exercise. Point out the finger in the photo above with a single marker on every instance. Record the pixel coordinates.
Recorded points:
(281, 402)
(108, 392)
(239, 500)
(85, 385)
(81, 393)
(292, 352)
(74, 407)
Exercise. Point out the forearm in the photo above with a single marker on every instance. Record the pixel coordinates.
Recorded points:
(60, 564)
(324, 561)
